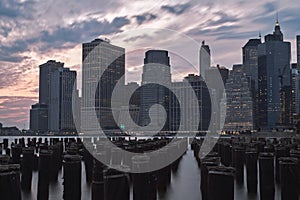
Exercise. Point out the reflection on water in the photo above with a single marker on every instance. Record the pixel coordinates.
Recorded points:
(185, 184)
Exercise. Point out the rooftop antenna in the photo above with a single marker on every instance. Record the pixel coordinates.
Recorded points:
(277, 19)
(259, 35)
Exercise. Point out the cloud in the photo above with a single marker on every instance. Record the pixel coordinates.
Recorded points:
(15, 75)
(78, 32)
(10, 53)
(146, 17)
(270, 7)
(176, 9)
(222, 18)
(14, 8)
(220, 31)
(14, 110)
(135, 38)
(61, 37)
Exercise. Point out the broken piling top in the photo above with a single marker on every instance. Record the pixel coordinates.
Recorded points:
(9, 169)
(72, 158)
(4, 159)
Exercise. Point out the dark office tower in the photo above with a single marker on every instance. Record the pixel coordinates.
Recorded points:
(39, 114)
(298, 52)
(250, 60)
(238, 102)
(250, 68)
(295, 92)
(224, 72)
(63, 81)
(156, 72)
(204, 59)
(45, 72)
(204, 105)
(39, 118)
(103, 65)
(274, 82)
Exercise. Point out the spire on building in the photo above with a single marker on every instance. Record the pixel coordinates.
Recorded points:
(277, 27)
(277, 34)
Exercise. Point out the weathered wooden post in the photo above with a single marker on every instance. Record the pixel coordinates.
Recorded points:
(266, 176)
(45, 160)
(27, 168)
(289, 178)
(72, 177)
(10, 187)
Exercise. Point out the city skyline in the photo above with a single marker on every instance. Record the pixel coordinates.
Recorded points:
(19, 76)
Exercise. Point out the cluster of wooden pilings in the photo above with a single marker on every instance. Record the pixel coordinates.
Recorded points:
(48, 157)
(267, 162)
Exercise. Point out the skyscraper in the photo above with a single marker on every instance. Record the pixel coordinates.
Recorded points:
(63, 82)
(45, 82)
(39, 118)
(295, 92)
(103, 65)
(204, 105)
(250, 68)
(204, 59)
(274, 83)
(156, 73)
(39, 113)
(250, 60)
(298, 52)
(216, 93)
(239, 101)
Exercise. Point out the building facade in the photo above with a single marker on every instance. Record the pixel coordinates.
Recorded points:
(239, 102)
(156, 79)
(103, 66)
(204, 59)
(45, 82)
(203, 105)
(39, 113)
(250, 68)
(216, 94)
(295, 80)
(63, 84)
(274, 82)
(298, 51)
(39, 118)
(250, 60)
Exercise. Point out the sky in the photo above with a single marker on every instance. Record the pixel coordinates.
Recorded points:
(34, 31)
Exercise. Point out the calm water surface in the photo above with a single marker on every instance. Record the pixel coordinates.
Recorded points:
(185, 184)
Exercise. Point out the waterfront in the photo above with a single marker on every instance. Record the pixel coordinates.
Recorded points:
(185, 182)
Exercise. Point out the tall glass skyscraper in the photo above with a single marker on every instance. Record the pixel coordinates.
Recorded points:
(103, 66)
(63, 83)
(250, 60)
(250, 68)
(274, 82)
(45, 82)
(156, 79)
(54, 111)
(298, 52)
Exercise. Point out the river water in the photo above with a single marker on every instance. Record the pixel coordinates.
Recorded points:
(185, 184)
